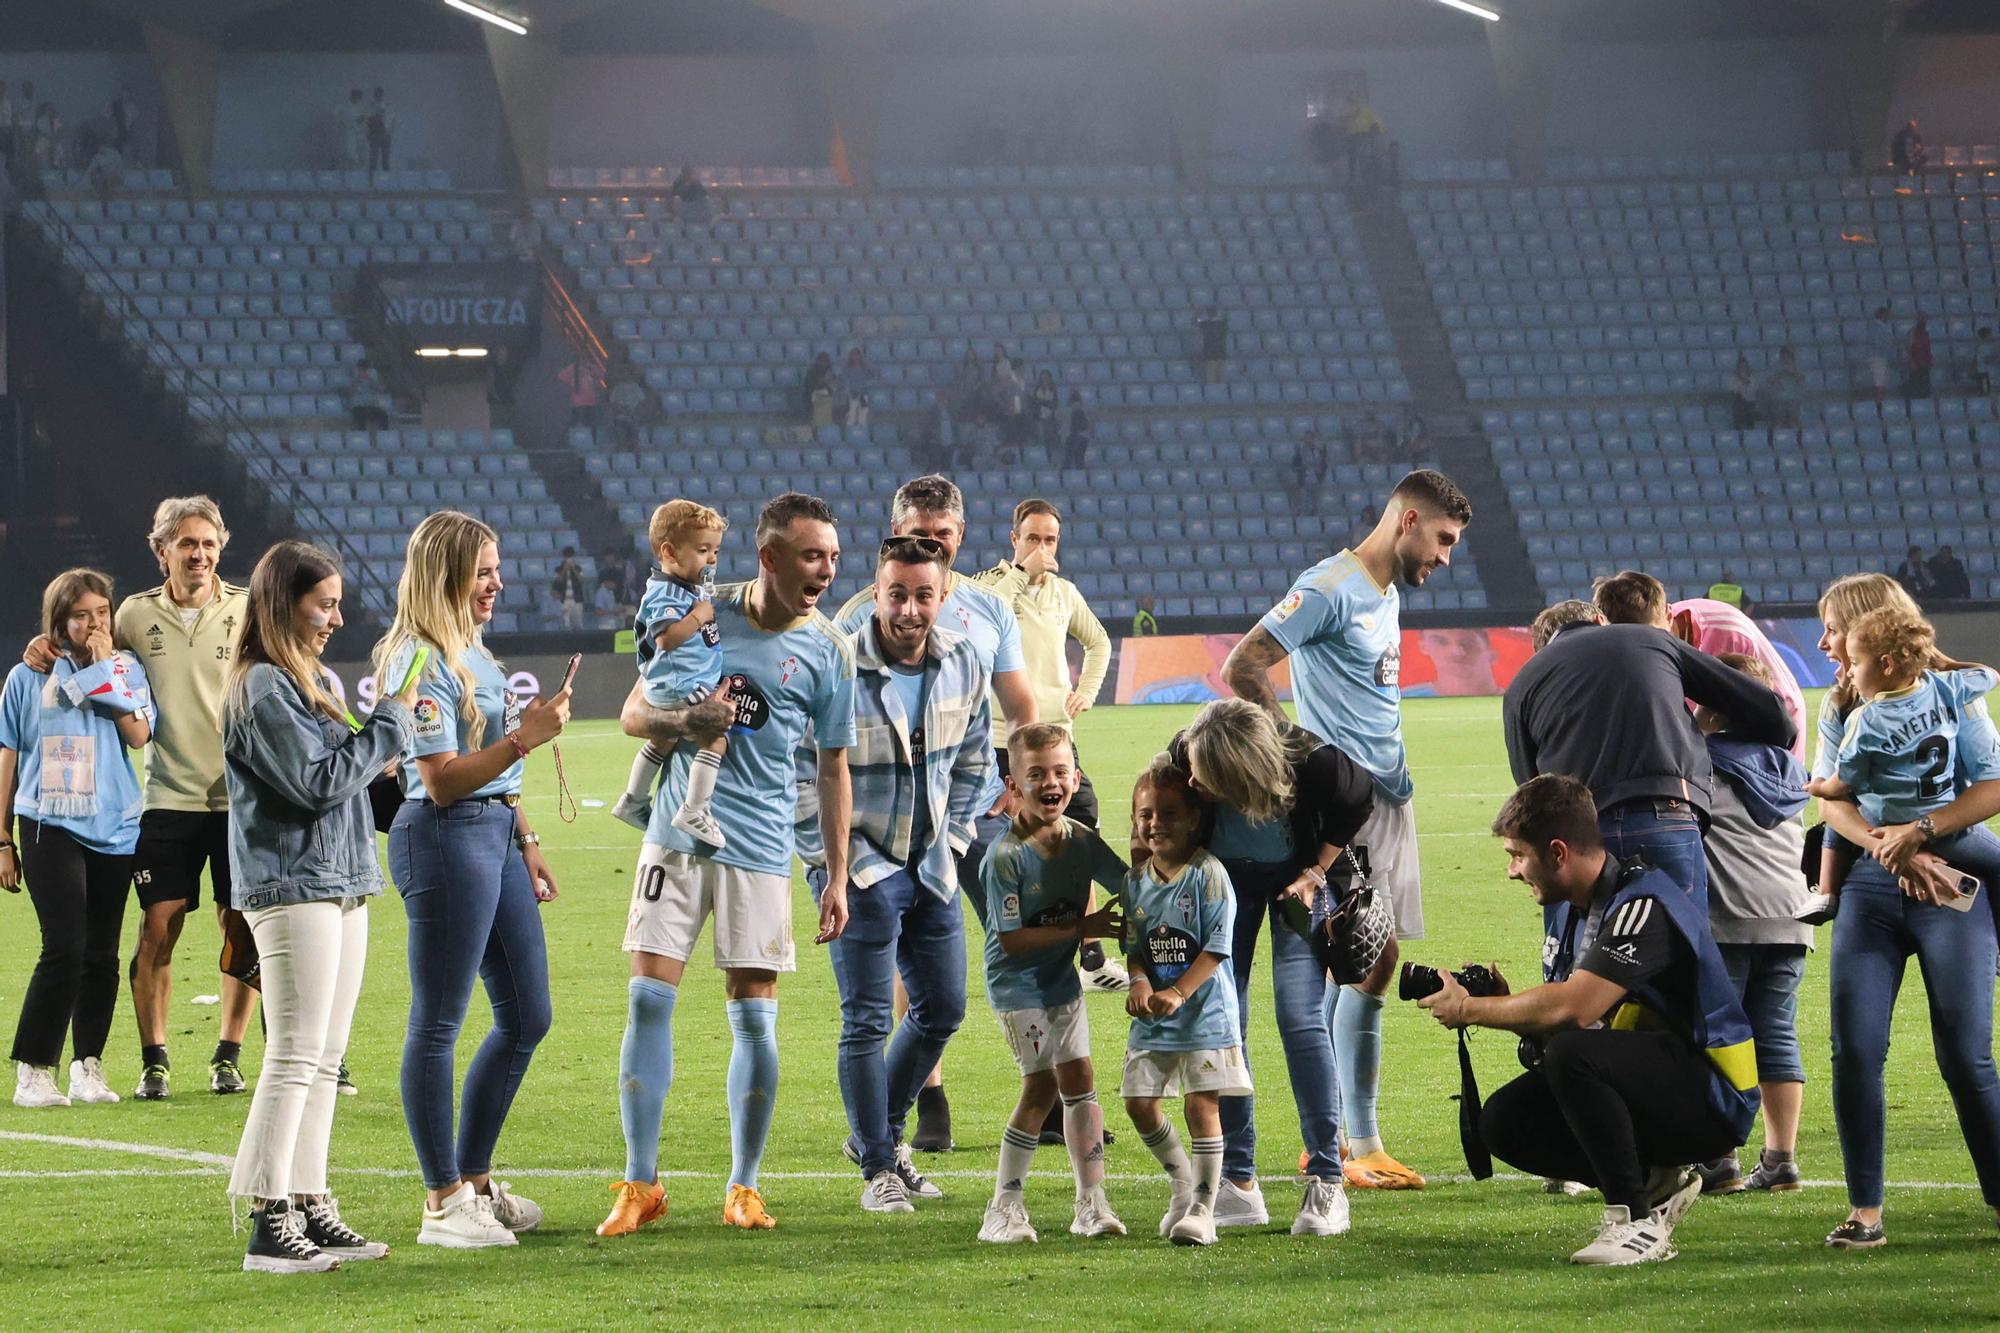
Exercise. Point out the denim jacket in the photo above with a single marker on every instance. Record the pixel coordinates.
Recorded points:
(300, 828)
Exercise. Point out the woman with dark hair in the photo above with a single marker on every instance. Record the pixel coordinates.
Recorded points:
(65, 775)
(1286, 806)
(859, 378)
(1048, 413)
(302, 841)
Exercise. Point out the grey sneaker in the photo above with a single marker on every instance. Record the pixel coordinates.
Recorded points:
(1781, 1178)
(224, 1078)
(1724, 1175)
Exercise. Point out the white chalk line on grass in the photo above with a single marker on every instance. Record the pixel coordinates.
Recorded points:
(214, 1164)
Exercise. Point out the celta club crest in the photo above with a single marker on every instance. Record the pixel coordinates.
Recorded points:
(787, 669)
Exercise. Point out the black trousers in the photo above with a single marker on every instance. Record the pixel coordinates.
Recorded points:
(1605, 1106)
(79, 898)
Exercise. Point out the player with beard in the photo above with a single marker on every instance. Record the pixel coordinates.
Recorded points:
(1341, 623)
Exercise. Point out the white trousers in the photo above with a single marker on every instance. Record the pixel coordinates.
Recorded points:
(312, 956)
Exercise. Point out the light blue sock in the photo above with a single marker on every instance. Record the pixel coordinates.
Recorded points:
(1355, 1019)
(753, 1085)
(645, 1072)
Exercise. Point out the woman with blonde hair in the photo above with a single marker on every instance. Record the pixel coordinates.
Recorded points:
(471, 873)
(302, 841)
(65, 776)
(1286, 807)
(1896, 902)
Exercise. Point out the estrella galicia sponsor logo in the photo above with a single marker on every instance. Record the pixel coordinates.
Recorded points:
(752, 710)
(1389, 667)
(1169, 952)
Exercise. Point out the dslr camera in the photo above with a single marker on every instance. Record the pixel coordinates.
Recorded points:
(1417, 982)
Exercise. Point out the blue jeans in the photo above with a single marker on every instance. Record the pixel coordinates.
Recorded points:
(1767, 977)
(986, 831)
(1663, 832)
(894, 925)
(472, 912)
(1298, 989)
(1873, 937)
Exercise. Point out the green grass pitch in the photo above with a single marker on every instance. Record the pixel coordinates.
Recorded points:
(107, 1235)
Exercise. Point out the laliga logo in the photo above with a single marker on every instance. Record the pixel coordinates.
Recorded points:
(521, 685)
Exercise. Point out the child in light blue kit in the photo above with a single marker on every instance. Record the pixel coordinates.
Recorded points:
(1036, 879)
(1179, 913)
(1901, 760)
(680, 659)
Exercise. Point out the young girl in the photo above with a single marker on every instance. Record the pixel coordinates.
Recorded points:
(1179, 918)
(65, 775)
(1037, 912)
(302, 843)
(680, 659)
(1899, 758)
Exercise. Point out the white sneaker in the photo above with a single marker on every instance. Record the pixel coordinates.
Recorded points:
(1094, 1216)
(35, 1087)
(1818, 909)
(1323, 1211)
(1622, 1241)
(1177, 1208)
(1568, 1188)
(465, 1222)
(512, 1211)
(885, 1193)
(1110, 977)
(1673, 1190)
(1196, 1228)
(915, 1183)
(1006, 1223)
(699, 824)
(1238, 1207)
(634, 810)
(86, 1082)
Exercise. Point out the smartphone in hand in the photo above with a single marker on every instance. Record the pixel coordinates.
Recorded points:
(575, 661)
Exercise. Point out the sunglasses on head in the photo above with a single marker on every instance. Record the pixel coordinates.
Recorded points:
(907, 548)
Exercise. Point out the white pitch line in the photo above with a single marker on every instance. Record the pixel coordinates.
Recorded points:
(214, 1163)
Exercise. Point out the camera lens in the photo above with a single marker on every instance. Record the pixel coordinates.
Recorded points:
(1416, 981)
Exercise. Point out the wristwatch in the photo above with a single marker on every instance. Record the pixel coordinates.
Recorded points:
(526, 840)
(1928, 827)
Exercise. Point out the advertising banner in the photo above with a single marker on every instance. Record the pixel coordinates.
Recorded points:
(456, 305)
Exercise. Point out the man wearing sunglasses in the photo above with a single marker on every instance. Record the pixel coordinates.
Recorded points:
(921, 762)
(933, 507)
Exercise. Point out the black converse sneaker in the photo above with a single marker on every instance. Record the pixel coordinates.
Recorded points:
(279, 1244)
(325, 1229)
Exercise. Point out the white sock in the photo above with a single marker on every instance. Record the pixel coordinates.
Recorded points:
(1083, 1135)
(645, 773)
(701, 780)
(1165, 1145)
(1207, 1170)
(1017, 1153)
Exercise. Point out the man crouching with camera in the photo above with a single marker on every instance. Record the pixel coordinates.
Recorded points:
(1639, 1056)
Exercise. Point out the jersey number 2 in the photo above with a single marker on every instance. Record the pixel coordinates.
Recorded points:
(1934, 753)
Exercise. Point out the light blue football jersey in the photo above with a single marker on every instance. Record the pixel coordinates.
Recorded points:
(1024, 888)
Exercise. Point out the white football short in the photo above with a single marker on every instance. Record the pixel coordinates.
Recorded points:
(1044, 1038)
(1177, 1073)
(1387, 846)
(674, 893)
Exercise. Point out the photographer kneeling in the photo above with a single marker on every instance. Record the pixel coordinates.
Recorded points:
(1640, 1055)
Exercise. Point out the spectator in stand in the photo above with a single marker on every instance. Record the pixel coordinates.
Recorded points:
(1363, 131)
(1920, 358)
(122, 118)
(1906, 150)
(628, 406)
(1048, 413)
(567, 590)
(1212, 334)
(353, 122)
(1144, 622)
(1913, 573)
(1312, 458)
(1076, 445)
(970, 386)
(690, 196)
(607, 602)
(585, 383)
(859, 377)
(105, 169)
(1885, 352)
(1784, 391)
(816, 390)
(367, 402)
(381, 127)
(1743, 395)
(48, 138)
(1004, 387)
(1985, 361)
(938, 441)
(6, 123)
(1948, 577)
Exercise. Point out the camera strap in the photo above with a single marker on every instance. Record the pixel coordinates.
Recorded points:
(1477, 1159)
